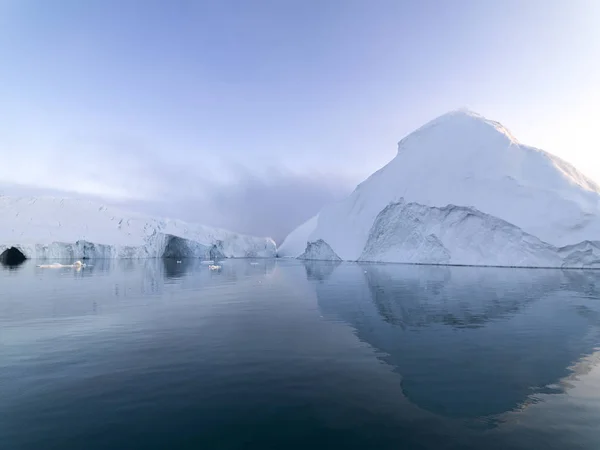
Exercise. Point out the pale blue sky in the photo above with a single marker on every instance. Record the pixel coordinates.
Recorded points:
(251, 114)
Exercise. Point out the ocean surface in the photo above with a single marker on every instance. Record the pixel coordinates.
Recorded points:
(291, 355)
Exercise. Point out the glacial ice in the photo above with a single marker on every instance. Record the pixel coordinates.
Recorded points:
(409, 232)
(48, 228)
(319, 250)
(531, 206)
(585, 255)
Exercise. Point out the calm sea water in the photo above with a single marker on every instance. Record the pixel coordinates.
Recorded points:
(281, 354)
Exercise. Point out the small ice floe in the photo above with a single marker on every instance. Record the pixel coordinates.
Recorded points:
(75, 265)
(214, 267)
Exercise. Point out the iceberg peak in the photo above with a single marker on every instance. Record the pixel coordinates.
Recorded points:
(458, 123)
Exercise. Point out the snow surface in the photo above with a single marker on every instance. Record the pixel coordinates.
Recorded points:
(584, 255)
(55, 228)
(295, 243)
(466, 160)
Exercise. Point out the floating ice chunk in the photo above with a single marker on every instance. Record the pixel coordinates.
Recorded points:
(75, 265)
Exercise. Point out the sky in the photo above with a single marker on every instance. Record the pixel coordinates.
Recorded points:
(251, 115)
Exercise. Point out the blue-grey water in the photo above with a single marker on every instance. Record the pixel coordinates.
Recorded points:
(284, 354)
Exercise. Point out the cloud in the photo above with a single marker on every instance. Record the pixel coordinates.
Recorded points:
(270, 204)
(275, 205)
(166, 180)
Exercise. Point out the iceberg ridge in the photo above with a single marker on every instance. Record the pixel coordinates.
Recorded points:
(52, 228)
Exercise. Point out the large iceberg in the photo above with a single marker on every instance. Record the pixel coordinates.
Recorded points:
(463, 190)
(55, 228)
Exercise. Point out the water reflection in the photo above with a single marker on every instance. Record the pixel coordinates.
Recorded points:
(468, 342)
(103, 284)
(320, 270)
(195, 274)
(11, 267)
(177, 268)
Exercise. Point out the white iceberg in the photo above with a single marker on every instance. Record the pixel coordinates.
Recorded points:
(529, 206)
(456, 235)
(71, 229)
(76, 265)
(319, 250)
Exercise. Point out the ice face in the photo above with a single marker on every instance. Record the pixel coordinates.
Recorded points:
(71, 229)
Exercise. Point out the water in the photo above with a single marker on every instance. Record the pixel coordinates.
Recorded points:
(281, 354)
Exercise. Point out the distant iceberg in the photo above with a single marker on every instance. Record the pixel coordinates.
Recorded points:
(319, 250)
(49, 228)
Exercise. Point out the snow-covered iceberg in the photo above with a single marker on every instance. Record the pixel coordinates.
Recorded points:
(72, 229)
(463, 190)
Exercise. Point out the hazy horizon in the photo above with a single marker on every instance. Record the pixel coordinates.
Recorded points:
(252, 116)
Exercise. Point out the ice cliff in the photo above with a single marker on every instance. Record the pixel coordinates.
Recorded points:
(458, 235)
(463, 190)
(54, 228)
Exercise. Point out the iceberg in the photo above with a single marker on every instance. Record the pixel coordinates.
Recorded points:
(319, 250)
(463, 190)
(453, 235)
(73, 229)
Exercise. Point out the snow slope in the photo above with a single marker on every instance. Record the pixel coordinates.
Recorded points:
(45, 228)
(295, 243)
(466, 160)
